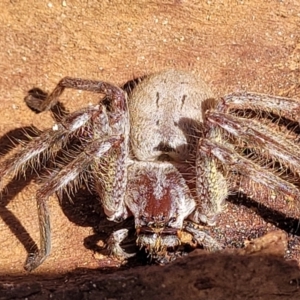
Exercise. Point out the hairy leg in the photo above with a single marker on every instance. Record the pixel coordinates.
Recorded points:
(114, 247)
(51, 140)
(211, 184)
(202, 238)
(59, 181)
(274, 149)
(285, 107)
(264, 140)
(274, 191)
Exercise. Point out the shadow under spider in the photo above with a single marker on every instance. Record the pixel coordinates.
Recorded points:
(277, 218)
(86, 211)
(7, 142)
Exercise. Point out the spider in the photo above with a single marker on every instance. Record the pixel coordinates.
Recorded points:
(169, 154)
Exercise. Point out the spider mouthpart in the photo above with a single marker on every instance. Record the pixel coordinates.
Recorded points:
(157, 240)
(158, 229)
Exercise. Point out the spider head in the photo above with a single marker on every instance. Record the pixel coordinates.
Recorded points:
(159, 200)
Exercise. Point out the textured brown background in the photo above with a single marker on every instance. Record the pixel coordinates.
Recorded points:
(235, 45)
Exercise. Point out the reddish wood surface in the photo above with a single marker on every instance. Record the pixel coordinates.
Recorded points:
(235, 45)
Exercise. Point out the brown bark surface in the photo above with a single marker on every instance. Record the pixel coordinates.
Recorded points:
(235, 45)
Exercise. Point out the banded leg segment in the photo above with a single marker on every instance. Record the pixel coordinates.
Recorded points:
(58, 182)
(274, 191)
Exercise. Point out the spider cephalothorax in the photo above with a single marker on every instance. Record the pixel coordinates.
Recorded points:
(169, 154)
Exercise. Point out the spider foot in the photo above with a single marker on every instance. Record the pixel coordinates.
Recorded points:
(168, 257)
(203, 238)
(35, 99)
(114, 247)
(34, 260)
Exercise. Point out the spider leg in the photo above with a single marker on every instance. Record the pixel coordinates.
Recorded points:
(51, 140)
(114, 93)
(257, 174)
(59, 181)
(250, 133)
(286, 107)
(274, 148)
(113, 245)
(202, 238)
(110, 179)
(211, 186)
